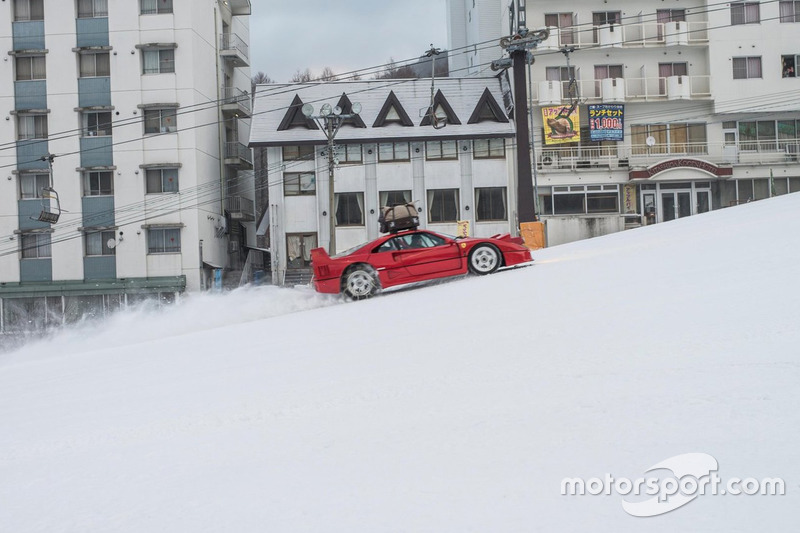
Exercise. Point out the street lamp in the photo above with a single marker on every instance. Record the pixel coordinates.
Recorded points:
(330, 119)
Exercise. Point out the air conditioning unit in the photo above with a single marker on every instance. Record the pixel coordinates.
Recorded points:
(548, 160)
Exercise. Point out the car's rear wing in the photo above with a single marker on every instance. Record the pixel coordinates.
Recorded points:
(319, 262)
(507, 237)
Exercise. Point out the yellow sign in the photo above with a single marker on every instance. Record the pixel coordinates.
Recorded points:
(463, 228)
(629, 198)
(561, 126)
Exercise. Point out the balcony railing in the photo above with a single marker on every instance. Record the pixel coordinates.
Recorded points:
(641, 155)
(630, 34)
(239, 207)
(238, 155)
(235, 48)
(234, 99)
(624, 90)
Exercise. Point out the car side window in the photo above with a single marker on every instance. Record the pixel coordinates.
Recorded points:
(388, 246)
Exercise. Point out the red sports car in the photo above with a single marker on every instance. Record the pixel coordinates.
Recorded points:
(409, 257)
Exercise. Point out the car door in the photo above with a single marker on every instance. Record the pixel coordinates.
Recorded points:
(427, 255)
(387, 260)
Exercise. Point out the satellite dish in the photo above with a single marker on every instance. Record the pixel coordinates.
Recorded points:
(650, 141)
(111, 243)
(307, 109)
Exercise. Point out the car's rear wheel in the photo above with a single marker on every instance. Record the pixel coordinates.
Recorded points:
(360, 282)
(484, 259)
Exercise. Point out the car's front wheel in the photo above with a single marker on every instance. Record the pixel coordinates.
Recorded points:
(360, 282)
(484, 259)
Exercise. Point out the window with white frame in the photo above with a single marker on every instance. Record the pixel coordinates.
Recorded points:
(31, 127)
(393, 152)
(92, 8)
(745, 13)
(349, 208)
(490, 204)
(769, 135)
(158, 60)
(488, 148)
(161, 120)
(585, 199)
(30, 68)
(94, 64)
(563, 21)
(441, 150)
(443, 205)
(96, 123)
(790, 11)
(789, 64)
(675, 138)
(98, 183)
(298, 153)
(348, 153)
(161, 180)
(298, 249)
(604, 18)
(96, 243)
(25, 10)
(299, 183)
(746, 67)
(31, 185)
(153, 7)
(163, 240)
(35, 245)
(391, 198)
(565, 75)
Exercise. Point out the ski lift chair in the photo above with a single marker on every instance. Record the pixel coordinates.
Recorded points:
(50, 212)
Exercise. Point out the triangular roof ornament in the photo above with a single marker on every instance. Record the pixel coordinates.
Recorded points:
(440, 101)
(347, 109)
(294, 117)
(392, 103)
(487, 106)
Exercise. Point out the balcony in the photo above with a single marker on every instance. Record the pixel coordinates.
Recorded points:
(629, 35)
(240, 208)
(235, 102)
(626, 90)
(623, 157)
(234, 49)
(238, 156)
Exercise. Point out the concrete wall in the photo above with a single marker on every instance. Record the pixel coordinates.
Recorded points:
(564, 229)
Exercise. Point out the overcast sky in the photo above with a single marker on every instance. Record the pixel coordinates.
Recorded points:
(286, 35)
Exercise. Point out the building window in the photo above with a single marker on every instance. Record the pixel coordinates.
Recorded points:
(35, 245)
(92, 8)
(30, 68)
(163, 240)
(564, 22)
(443, 205)
(604, 18)
(152, 7)
(789, 66)
(93, 65)
(161, 120)
(158, 61)
(299, 183)
(349, 209)
(31, 185)
(393, 152)
(298, 249)
(96, 123)
(25, 10)
(565, 75)
(391, 198)
(490, 204)
(604, 72)
(98, 183)
(677, 138)
(159, 180)
(97, 243)
(768, 135)
(745, 13)
(790, 11)
(585, 199)
(746, 67)
(670, 15)
(298, 153)
(348, 153)
(489, 148)
(439, 150)
(31, 127)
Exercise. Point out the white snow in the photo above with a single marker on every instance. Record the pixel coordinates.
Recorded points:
(455, 407)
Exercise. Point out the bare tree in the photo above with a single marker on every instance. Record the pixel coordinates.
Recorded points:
(391, 71)
(302, 77)
(259, 79)
(327, 75)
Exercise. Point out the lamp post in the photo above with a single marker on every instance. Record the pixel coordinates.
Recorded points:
(330, 119)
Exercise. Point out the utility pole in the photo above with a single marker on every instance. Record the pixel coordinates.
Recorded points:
(330, 119)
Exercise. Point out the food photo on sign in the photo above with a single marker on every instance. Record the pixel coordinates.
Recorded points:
(562, 124)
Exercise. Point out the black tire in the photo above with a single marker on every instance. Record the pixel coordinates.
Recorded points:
(360, 282)
(484, 259)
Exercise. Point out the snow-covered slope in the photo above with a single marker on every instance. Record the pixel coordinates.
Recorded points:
(456, 407)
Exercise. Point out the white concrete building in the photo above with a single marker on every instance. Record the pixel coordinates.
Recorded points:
(709, 103)
(145, 106)
(388, 154)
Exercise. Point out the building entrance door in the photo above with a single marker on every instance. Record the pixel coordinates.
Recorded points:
(675, 204)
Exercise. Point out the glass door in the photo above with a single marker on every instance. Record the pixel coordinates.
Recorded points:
(675, 204)
(702, 201)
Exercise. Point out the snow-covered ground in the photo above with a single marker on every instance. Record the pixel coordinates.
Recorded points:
(449, 408)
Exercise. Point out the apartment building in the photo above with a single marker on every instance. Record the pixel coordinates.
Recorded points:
(126, 171)
(674, 108)
(389, 152)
